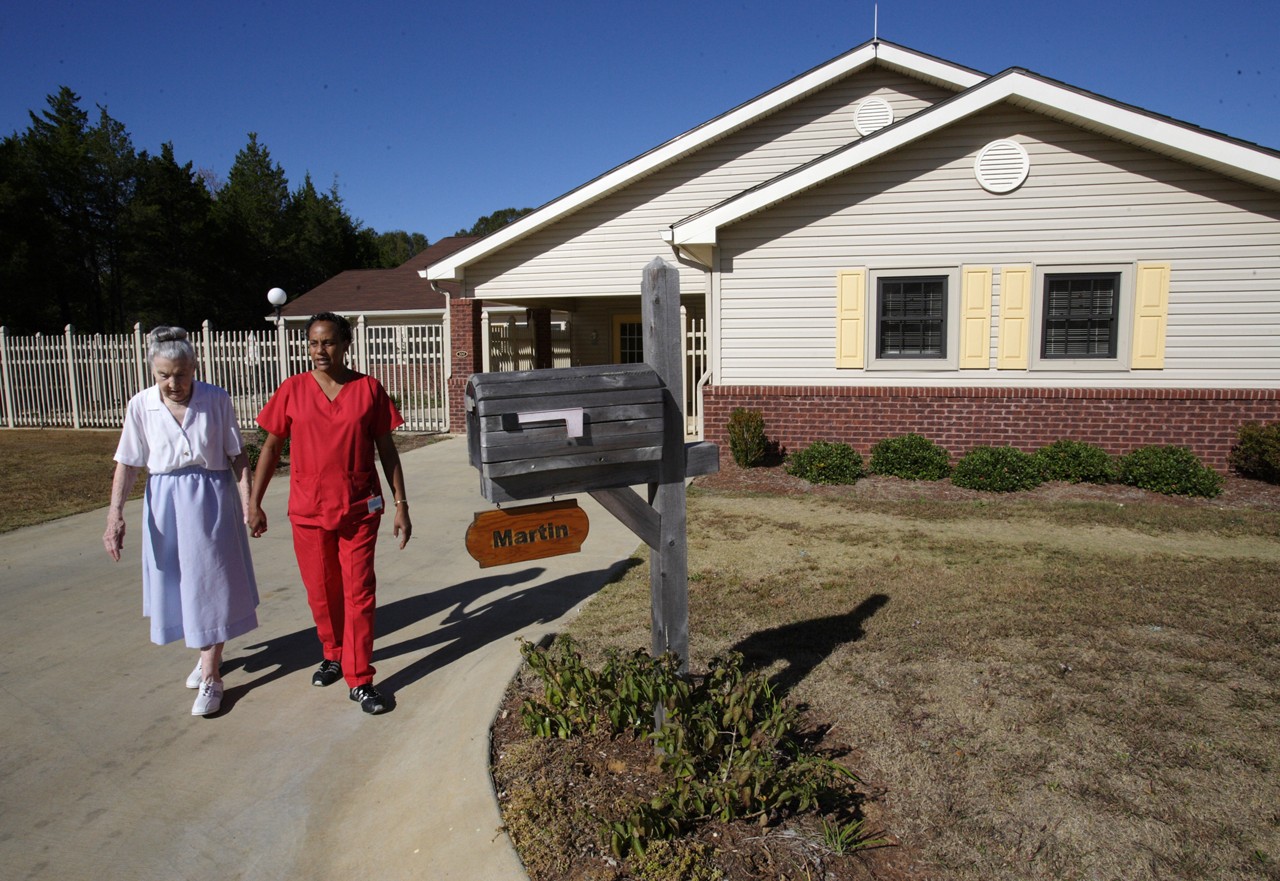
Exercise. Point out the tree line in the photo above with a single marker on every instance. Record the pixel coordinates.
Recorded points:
(96, 234)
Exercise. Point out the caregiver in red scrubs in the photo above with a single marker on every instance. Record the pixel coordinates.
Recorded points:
(336, 418)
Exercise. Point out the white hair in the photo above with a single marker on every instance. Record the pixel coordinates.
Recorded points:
(171, 343)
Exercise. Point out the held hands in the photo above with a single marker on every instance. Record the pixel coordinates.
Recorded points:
(256, 520)
(113, 538)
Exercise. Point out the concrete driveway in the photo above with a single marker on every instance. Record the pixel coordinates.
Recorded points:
(104, 774)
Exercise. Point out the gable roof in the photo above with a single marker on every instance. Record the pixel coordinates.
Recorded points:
(401, 289)
(916, 64)
(1178, 140)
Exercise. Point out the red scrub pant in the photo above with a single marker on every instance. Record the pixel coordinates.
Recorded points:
(337, 571)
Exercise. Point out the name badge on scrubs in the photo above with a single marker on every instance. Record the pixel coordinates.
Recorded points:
(375, 504)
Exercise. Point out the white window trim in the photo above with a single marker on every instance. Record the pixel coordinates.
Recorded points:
(1124, 319)
(952, 359)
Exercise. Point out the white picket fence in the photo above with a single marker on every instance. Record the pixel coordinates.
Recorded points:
(86, 380)
(78, 380)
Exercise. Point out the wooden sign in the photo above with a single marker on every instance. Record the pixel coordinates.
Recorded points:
(530, 532)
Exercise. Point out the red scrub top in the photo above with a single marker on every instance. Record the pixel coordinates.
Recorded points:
(331, 455)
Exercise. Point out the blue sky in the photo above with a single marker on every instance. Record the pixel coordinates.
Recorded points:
(431, 114)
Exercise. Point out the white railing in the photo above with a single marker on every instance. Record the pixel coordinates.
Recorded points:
(693, 332)
(510, 343)
(86, 380)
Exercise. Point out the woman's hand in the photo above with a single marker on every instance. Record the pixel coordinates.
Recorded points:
(113, 538)
(256, 520)
(404, 527)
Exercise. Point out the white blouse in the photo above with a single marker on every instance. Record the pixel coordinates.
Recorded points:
(209, 435)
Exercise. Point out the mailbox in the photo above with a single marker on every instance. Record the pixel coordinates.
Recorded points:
(536, 433)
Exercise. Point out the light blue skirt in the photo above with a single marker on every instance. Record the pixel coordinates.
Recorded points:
(197, 575)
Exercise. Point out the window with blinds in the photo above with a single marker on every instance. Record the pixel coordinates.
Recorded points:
(912, 317)
(1080, 315)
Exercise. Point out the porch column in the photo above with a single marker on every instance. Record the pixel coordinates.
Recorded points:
(465, 355)
(540, 324)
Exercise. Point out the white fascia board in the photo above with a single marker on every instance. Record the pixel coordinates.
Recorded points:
(367, 313)
(450, 268)
(1171, 138)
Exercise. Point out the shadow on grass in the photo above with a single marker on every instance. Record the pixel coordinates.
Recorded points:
(805, 644)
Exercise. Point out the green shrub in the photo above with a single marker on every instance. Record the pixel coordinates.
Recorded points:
(826, 462)
(1169, 470)
(253, 447)
(746, 437)
(997, 469)
(1075, 462)
(1257, 451)
(911, 457)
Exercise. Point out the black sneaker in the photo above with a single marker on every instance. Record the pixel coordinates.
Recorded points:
(327, 673)
(370, 700)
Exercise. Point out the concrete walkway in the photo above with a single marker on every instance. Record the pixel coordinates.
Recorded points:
(105, 774)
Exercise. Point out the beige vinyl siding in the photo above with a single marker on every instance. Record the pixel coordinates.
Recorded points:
(1088, 201)
(602, 248)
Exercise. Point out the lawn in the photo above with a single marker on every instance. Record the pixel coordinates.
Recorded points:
(52, 473)
(1030, 687)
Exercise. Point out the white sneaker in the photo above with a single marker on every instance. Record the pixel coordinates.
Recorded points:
(208, 700)
(196, 677)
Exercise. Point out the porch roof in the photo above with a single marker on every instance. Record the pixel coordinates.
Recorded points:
(367, 291)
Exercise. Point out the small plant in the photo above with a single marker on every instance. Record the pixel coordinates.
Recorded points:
(997, 469)
(727, 743)
(1257, 451)
(747, 442)
(826, 462)
(843, 838)
(1169, 470)
(1075, 462)
(253, 447)
(911, 457)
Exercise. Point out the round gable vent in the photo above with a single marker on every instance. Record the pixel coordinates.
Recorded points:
(1002, 166)
(872, 115)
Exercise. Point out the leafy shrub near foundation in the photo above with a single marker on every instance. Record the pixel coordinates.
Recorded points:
(1075, 462)
(747, 441)
(997, 469)
(826, 462)
(728, 744)
(1169, 470)
(911, 457)
(1256, 453)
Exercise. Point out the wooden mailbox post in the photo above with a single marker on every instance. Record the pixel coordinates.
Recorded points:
(602, 430)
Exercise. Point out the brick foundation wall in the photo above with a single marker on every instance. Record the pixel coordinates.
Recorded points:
(1117, 420)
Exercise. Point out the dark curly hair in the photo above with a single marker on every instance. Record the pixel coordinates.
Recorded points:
(344, 326)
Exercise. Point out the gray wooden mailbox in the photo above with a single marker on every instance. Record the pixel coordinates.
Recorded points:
(603, 430)
(535, 433)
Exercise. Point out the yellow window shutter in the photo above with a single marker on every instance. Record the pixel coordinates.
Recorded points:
(975, 318)
(851, 318)
(1150, 315)
(1014, 335)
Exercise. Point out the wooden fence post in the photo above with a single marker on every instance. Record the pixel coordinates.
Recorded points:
(73, 387)
(7, 376)
(362, 345)
(139, 356)
(206, 351)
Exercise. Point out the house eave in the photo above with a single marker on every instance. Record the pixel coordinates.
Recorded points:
(1181, 141)
(926, 67)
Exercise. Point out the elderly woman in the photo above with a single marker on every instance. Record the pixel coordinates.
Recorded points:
(197, 575)
(337, 419)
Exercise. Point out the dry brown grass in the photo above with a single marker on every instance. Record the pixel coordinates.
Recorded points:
(52, 473)
(1041, 688)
